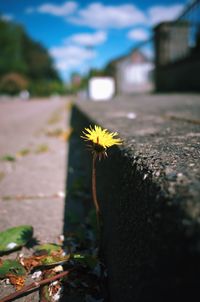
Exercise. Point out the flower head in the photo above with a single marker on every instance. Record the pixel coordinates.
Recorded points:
(101, 139)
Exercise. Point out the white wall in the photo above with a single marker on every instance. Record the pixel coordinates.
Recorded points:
(101, 88)
(134, 77)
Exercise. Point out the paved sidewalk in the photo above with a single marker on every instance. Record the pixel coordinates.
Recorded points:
(32, 187)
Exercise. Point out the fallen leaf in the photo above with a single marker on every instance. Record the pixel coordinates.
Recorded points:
(58, 269)
(37, 275)
(10, 266)
(55, 290)
(54, 259)
(65, 135)
(32, 262)
(17, 281)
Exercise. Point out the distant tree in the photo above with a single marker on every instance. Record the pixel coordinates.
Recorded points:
(110, 69)
(11, 59)
(13, 83)
(95, 73)
(38, 60)
(20, 55)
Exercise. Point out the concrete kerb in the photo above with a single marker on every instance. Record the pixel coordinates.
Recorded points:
(150, 217)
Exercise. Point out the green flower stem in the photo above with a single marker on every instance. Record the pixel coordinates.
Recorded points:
(94, 189)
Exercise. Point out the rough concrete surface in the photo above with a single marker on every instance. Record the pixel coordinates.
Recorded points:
(32, 187)
(149, 191)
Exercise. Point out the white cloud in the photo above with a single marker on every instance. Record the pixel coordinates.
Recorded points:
(88, 39)
(102, 16)
(30, 10)
(67, 57)
(72, 51)
(138, 34)
(6, 17)
(162, 13)
(97, 15)
(67, 8)
(63, 65)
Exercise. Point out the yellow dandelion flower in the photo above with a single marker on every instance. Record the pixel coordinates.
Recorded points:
(101, 138)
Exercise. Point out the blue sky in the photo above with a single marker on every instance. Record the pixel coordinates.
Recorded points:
(84, 34)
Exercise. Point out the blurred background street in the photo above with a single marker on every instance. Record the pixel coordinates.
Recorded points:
(128, 47)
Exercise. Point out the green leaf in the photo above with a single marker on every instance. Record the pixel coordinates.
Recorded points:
(44, 290)
(55, 260)
(11, 267)
(87, 260)
(48, 247)
(14, 238)
(8, 157)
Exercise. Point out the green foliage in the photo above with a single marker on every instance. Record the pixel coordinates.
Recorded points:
(26, 59)
(46, 88)
(12, 83)
(86, 260)
(11, 49)
(48, 248)
(38, 60)
(8, 157)
(11, 267)
(13, 238)
(55, 260)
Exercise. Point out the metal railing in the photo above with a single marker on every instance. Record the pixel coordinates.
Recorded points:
(191, 14)
(171, 42)
(190, 17)
(176, 40)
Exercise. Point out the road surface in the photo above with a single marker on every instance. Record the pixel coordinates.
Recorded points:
(32, 187)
